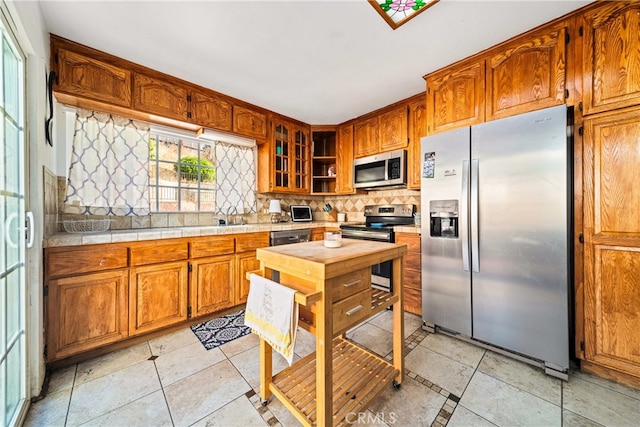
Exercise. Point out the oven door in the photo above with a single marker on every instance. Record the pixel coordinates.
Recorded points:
(381, 276)
(380, 273)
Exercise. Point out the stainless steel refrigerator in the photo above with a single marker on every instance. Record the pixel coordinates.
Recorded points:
(495, 234)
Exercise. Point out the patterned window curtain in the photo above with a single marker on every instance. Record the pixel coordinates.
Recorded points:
(109, 172)
(235, 178)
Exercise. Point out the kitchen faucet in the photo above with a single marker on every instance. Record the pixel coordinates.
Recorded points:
(228, 213)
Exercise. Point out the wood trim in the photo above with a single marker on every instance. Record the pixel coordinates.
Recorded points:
(611, 374)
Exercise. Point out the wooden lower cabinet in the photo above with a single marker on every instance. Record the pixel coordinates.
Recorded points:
(244, 262)
(98, 295)
(212, 285)
(157, 296)
(317, 234)
(412, 270)
(86, 312)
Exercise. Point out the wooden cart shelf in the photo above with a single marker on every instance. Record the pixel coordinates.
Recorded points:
(334, 292)
(358, 378)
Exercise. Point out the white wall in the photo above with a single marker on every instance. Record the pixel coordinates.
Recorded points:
(34, 40)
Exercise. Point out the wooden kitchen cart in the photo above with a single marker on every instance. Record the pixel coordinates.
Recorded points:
(334, 294)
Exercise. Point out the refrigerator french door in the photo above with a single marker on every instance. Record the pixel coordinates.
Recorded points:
(495, 241)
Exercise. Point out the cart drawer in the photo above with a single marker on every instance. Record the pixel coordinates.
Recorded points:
(351, 310)
(350, 283)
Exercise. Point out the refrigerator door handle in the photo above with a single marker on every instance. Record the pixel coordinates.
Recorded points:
(475, 254)
(464, 208)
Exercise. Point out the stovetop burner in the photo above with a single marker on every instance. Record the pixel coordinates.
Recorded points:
(379, 221)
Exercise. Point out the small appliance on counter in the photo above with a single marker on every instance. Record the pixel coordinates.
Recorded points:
(300, 213)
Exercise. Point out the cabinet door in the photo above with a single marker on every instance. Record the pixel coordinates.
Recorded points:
(212, 285)
(210, 111)
(157, 296)
(344, 160)
(412, 283)
(366, 134)
(393, 129)
(612, 240)
(527, 74)
(301, 161)
(455, 97)
(611, 58)
(317, 234)
(93, 79)
(249, 123)
(245, 261)
(282, 155)
(161, 97)
(86, 312)
(417, 129)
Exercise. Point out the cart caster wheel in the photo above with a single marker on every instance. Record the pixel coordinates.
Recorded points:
(264, 403)
(396, 385)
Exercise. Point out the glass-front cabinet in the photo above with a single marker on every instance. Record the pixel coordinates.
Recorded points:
(288, 159)
(282, 142)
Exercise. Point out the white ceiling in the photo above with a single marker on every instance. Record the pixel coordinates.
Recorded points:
(318, 61)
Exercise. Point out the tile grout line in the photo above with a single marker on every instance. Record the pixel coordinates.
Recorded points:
(73, 386)
(164, 395)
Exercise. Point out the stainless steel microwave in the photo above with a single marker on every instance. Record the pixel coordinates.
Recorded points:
(384, 169)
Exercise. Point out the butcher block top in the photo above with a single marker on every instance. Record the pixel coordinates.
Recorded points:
(314, 261)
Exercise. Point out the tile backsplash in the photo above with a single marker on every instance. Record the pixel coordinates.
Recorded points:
(352, 205)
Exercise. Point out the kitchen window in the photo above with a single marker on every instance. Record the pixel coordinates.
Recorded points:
(189, 174)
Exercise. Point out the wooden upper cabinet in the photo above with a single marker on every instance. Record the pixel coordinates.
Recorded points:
(455, 97)
(417, 129)
(284, 161)
(250, 123)
(526, 74)
(210, 111)
(344, 160)
(611, 57)
(393, 129)
(158, 96)
(91, 78)
(366, 134)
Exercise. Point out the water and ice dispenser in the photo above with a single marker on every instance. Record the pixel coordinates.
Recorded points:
(443, 218)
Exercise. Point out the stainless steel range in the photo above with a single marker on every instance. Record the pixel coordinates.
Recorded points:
(378, 226)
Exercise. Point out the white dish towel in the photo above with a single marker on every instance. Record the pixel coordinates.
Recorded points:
(272, 314)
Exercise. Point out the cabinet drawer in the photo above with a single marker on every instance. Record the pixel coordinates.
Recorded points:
(412, 279)
(251, 241)
(212, 246)
(82, 259)
(412, 301)
(351, 310)
(411, 240)
(350, 283)
(158, 251)
(412, 261)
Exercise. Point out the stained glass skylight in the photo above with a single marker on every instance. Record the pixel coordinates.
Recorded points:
(397, 12)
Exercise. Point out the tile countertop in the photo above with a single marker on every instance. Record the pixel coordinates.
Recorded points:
(134, 235)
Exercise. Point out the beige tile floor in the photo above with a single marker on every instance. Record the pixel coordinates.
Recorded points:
(174, 381)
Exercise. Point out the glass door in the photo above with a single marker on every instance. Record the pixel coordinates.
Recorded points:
(12, 226)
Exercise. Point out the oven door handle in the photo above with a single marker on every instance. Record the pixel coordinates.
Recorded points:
(382, 236)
